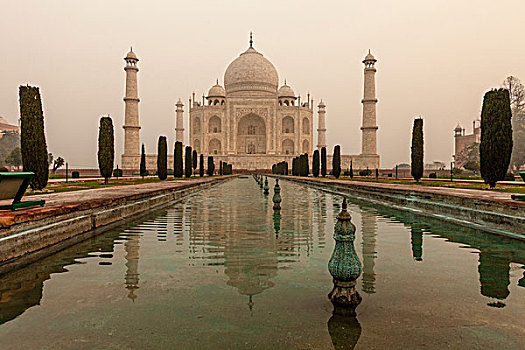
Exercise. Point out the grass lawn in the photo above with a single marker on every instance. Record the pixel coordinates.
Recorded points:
(430, 183)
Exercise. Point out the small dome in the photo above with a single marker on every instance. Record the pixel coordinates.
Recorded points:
(370, 57)
(286, 91)
(131, 55)
(216, 91)
(458, 128)
(179, 103)
(321, 104)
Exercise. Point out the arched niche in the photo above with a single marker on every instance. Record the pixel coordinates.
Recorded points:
(306, 126)
(288, 147)
(214, 147)
(214, 125)
(288, 125)
(251, 135)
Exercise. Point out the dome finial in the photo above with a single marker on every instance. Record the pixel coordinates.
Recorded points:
(217, 81)
(251, 40)
(284, 81)
(131, 48)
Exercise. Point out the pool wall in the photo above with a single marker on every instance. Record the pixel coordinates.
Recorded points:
(29, 238)
(504, 217)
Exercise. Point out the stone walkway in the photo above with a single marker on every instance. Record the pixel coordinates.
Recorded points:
(458, 192)
(66, 202)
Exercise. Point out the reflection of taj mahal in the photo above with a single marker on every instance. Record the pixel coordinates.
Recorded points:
(251, 122)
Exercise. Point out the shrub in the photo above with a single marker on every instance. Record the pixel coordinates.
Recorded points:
(177, 159)
(417, 149)
(457, 171)
(162, 158)
(3, 169)
(117, 173)
(75, 175)
(509, 177)
(32, 138)
(432, 175)
(496, 136)
(351, 168)
(366, 172)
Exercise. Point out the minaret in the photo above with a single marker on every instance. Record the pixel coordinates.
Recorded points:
(179, 123)
(131, 156)
(369, 127)
(321, 128)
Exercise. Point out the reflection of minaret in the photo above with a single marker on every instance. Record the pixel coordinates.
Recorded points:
(416, 237)
(369, 229)
(494, 276)
(132, 263)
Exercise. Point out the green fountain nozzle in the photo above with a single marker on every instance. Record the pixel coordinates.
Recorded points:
(344, 265)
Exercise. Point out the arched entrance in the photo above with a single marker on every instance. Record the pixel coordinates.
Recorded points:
(251, 135)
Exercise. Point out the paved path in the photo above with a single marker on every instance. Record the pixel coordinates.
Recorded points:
(458, 192)
(65, 202)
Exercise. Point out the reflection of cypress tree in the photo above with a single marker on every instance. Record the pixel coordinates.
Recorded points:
(521, 282)
(494, 275)
(416, 237)
(344, 330)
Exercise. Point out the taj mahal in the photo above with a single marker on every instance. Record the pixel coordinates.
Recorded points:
(251, 122)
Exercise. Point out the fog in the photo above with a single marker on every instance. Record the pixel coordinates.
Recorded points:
(436, 59)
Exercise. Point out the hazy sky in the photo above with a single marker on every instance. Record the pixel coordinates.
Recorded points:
(436, 59)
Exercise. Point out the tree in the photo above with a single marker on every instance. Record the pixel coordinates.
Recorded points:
(188, 164)
(177, 160)
(220, 168)
(162, 158)
(201, 165)
(195, 160)
(211, 166)
(323, 161)
(32, 137)
(417, 149)
(58, 163)
(315, 163)
(496, 136)
(516, 94)
(336, 162)
(306, 170)
(14, 158)
(471, 165)
(106, 148)
(351, 168)
(143, 169)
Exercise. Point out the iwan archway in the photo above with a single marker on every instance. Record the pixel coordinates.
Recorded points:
(251, 135)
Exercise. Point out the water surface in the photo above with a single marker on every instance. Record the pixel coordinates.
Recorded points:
(220, 270)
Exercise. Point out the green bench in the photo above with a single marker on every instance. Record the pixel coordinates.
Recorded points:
(13, 186)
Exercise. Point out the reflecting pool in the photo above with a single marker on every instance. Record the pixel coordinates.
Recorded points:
(221, 270)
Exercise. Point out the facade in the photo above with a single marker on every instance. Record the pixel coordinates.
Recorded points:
(462, 140)
(251, 122)
(5, 127)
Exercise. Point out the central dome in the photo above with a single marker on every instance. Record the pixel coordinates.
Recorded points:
(251, 72)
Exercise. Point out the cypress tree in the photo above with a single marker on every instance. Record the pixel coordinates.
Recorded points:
(351, 169)
(336, 162)
(194, 159)
(32, 138)
(177, 160)
(306, 165)
(201, 165)
(211, 166)
(162, 158)
(323, 161)
(417, 149)
(301, 165)
(496, 136)
(187, 162)
(220, 168)
(315, 163)
(285, 168)
(143, 171)
(106, 148)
